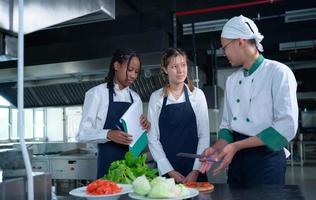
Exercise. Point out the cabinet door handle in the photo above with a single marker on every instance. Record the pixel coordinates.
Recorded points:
(71, 161)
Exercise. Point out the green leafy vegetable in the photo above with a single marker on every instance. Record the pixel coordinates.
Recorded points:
(127, 170)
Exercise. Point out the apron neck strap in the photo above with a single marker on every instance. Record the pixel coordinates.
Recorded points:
(111, 93)
(185, 94)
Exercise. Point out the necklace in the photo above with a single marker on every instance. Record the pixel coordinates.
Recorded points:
(176, 94)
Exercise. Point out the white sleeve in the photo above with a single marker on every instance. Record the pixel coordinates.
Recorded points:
(227, 115)
(285, 107)
(203, 126)
(154, 144)
(88, 132)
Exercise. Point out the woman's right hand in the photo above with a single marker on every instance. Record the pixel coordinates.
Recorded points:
(179, 178)
(119, 137)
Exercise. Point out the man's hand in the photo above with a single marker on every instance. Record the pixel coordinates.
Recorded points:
(226, 156)
(119, 137)
(206, 165)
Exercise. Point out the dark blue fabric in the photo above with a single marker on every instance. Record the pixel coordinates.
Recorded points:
(254, 166)
(178, 133)
(111, 151)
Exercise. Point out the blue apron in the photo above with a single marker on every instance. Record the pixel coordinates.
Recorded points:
(258, 165)
(111, 151)
(178, 133)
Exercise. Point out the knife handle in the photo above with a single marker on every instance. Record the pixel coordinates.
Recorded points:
(212, 159)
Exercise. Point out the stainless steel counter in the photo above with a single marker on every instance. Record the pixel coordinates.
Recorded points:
(16, 188)
(261, 192)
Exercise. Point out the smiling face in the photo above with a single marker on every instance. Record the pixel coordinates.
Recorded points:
(177, 69)
(126, 75)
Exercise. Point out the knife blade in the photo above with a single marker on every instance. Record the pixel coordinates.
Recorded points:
(192, 155)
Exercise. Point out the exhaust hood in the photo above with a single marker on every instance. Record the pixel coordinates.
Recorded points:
(46, 13)
(8, 47)
(57, 13)
(62, 63)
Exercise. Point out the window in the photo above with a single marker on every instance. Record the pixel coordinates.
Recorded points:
(44, 124)
(55, 124)
(14, 130)
(4, 123)
(73, 118)
(39, 123)
(28, 124)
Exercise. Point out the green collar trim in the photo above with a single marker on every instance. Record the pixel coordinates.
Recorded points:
(254, 66)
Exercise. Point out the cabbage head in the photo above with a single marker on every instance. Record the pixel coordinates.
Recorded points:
(141, 185)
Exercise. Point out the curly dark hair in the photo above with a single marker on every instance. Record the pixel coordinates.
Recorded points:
(121, 55)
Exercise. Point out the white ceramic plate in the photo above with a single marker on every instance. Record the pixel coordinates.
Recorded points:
(193, 193)
(81, 192)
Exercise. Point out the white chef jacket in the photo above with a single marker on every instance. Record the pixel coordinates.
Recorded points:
(95, 109)
(261, 104)
(199, 105)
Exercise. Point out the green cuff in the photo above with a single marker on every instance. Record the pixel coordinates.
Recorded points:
(226, 135)
(273, 139)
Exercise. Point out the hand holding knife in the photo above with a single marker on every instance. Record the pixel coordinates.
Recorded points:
(202, 157)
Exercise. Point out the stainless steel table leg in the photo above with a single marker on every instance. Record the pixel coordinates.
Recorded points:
(292, 152)
(301, 148)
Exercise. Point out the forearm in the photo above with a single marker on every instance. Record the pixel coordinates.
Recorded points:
(219, 145)
(248, 143)
(86, 134)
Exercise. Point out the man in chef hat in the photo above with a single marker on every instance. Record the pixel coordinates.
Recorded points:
(260, 114)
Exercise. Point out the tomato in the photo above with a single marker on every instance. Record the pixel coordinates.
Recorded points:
(191, 184)
(91, 187)
(101, 187)
(205, 184)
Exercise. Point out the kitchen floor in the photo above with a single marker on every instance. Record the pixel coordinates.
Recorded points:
(304, 176)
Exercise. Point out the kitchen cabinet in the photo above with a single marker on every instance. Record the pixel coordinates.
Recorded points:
(72, 167)
(40, 166)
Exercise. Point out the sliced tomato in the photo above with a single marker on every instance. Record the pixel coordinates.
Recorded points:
(100, 187)
(191, 184)
(205, 184)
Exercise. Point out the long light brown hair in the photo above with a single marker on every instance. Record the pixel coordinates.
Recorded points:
(165, 60)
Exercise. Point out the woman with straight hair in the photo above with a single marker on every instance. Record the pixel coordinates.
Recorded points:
(179, 120)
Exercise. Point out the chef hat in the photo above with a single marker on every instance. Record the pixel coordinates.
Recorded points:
(244, 28)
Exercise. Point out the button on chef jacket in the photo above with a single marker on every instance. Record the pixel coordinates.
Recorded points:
(199, 105)
(261, 102)
(95, 111)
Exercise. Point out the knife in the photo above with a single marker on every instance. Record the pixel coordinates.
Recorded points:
(192, 155)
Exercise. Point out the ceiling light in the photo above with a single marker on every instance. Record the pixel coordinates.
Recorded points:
(205, 26)
(306, 44)
(300, 15)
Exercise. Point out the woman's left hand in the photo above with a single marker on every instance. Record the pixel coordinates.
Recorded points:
(145, 123)
(192, 176)
(226, 155)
